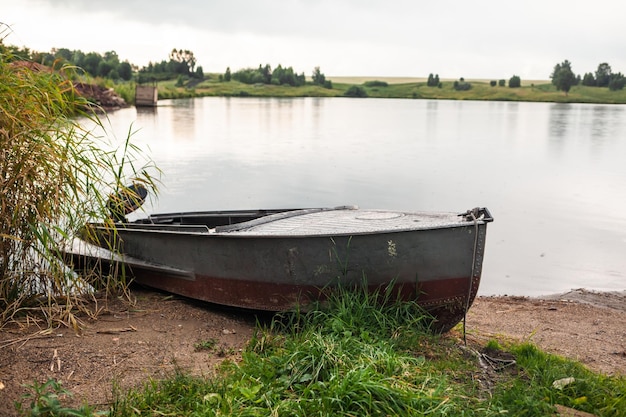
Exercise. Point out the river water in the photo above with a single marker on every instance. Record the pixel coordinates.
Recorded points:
(552, 175)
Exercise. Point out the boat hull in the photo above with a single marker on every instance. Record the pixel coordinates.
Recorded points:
(440, 267)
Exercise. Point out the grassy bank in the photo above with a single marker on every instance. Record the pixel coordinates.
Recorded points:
(354, 357)
(405, 88)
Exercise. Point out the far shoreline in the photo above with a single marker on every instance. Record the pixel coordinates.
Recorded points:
(363, 87)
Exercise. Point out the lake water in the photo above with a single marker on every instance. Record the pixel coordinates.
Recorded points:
(552, 175)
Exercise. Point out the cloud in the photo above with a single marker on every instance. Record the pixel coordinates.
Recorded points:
(478, 39)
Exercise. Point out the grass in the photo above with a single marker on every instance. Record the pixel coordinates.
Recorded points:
(407, 88)
(56, 175)
(355, 356)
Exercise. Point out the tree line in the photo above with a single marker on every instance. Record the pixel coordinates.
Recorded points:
(278, 76)
(181, 62)
(563, 77)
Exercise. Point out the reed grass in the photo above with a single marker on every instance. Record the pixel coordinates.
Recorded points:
(55, 175)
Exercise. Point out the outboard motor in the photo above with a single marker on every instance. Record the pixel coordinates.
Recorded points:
(126, 201)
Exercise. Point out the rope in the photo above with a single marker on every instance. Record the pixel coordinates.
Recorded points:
(472, 214)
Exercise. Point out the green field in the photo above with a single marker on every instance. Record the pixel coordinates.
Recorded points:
(397, 87)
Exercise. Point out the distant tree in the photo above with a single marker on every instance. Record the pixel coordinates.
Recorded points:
(617, 82)
(63, 53)
(603, 75)
(563, 77)
(493, 83)
(318, 77)
(515, 82)
(125, 71)
(227, 74)
(589, 80)
(433, 80)
(199, 73)
(104, 68)
(266, 73)
(91, 62)
(185, 60)
(501, 83)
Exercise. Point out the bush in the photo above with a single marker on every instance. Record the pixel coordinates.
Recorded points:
(501, 83)
(376, 83)
(355, 91)
(462, 85)
(492, 83)
(515, 82)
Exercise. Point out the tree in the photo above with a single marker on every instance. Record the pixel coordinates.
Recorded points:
(200, 73)
(515, 82)
(227, 75)
(617, 82)
(563, 77)
(185, 58)
(125, 71)
(433, 80)
(318, 77)
(589, 80)
(91, 62)
(603, 75)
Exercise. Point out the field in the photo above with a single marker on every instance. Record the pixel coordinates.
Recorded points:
(393, 87)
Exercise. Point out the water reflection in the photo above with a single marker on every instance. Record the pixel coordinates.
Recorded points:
(552, 174)
(560, 114)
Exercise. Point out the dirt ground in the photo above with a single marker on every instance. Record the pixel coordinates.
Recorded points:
(127, 344)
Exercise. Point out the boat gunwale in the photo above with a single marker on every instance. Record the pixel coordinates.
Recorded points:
(238, 233)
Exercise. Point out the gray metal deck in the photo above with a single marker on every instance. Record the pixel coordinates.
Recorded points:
(342, 221)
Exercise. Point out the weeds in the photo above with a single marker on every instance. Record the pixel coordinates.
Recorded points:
(55, 175)
(45, 401)
(208, 344)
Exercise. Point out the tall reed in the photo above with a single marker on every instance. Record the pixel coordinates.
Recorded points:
(55, 175)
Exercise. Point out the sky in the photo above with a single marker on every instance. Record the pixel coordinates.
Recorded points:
(485, 39)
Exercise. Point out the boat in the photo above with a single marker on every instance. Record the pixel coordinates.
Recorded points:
(281, 259)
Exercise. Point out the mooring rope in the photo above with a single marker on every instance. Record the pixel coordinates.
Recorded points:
(472, 213)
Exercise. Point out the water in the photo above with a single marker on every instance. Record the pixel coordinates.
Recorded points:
(553, 175)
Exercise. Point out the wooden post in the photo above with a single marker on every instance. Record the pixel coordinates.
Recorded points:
(146, 95)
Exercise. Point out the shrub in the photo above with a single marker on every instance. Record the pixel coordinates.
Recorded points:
(376, 83)
(515, 82)
(355, 91)
(461, 85)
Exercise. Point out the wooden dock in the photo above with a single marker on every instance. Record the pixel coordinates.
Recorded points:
(146, 95)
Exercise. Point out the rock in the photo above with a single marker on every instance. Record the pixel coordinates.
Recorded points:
(103, 97)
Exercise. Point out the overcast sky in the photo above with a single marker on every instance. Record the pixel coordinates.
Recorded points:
(490, 39)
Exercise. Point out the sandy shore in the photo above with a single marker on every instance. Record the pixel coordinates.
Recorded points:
(128, 344)
(583, 325)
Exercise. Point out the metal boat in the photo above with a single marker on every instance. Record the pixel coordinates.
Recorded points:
(279, 259)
